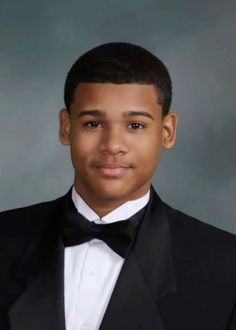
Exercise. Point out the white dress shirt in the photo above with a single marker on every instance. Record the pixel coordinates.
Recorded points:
(92, 268)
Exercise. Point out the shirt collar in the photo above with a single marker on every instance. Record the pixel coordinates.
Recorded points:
(122, 212)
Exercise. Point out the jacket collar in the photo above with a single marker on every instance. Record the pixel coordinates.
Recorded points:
(147, 275)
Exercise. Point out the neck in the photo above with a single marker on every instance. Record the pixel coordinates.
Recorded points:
(103, 204)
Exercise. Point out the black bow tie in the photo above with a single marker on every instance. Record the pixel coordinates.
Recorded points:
(118, 235)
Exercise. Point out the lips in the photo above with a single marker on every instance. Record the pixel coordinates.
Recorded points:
(112, 169)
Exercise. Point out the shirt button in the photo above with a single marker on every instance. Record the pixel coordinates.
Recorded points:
(91, 273)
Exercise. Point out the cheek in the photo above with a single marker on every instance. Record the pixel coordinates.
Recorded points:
(150, 148)
(82, 147)
(150, 159)
(77, 146)
(150, 162)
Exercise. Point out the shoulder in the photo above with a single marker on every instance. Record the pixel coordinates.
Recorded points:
(27, 214)
(208, 249)
(194, 232)
(20, 226)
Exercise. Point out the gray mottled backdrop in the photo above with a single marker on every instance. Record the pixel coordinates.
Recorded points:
(39, 40)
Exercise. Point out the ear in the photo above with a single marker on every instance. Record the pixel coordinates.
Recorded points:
(169, 126)
(64, 127)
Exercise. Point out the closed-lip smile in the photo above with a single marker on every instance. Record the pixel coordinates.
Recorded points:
(112, 165)
(112, 169)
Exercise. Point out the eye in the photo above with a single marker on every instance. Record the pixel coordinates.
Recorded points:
(92, 124)
(136, 125)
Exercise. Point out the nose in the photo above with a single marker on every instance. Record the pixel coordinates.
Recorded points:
(113, 142)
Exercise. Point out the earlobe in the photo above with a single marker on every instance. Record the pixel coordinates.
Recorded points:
(169, 130)
(64, 127)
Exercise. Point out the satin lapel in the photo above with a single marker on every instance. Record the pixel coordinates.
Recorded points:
(153, 248)
(41, 303)
(131, 305)
(147, 274)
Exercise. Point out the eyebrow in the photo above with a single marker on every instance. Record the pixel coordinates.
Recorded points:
(138, 113)
(91, 113)
(101, 113)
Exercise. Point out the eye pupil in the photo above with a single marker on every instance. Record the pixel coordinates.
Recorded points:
(93, 124)
(136, 125)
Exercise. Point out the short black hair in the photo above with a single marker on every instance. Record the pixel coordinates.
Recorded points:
(120, 63)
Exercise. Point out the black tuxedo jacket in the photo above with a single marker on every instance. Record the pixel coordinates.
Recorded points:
(180, 273)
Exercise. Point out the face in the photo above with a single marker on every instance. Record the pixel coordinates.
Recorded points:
(115, 133)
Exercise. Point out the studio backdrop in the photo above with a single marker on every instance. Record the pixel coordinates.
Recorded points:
(39, 41)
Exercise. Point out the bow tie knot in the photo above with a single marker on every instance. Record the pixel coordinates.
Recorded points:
(91, 229)
(117, 235)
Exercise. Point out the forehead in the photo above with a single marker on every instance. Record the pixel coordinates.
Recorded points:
(115, 95)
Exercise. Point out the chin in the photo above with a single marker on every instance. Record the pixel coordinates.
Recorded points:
(112, 192)
(108, 190)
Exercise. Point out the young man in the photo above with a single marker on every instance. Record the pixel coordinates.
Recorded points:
(110, 254)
